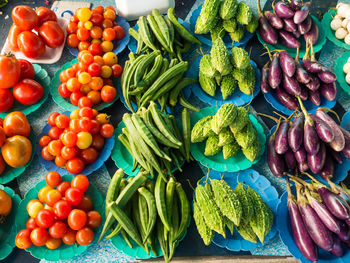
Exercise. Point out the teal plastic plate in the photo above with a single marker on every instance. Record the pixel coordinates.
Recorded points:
(11, 173)
(291, 51)
(43, 78)
(121, 156)
(330, 33)
(65, 103)
(338, 69)
(8, 230)
(64, 252)
(217, 162)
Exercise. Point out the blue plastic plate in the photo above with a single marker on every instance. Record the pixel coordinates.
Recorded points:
(341, 170)
(238, 98)
(206, 38)
(291, 51)
(119, 45)
(267, 192)
(102, 157)
(285, 232)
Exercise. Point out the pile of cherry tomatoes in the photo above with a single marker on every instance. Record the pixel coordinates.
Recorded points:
(19, 74)
(94, 30)
(62, 213)
(26, 21)
(88, 82)
(16, 148)
(75, 141)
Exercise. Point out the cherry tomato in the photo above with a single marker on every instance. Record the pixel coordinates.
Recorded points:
(43, 193)
(96, 83)
(52, 34)
(46, 155)
(74, 125)
(110, 58)
(69, 139)
(33, 207)
(60, 161)
(95, 127)
(81, 182)
(77, 219)
(94, 219)
(103, 118)
(52, 197)
(108, 94)
(30, 44)
(55, 146)
(62, 121)
(55, 133)
(108, 82)
(31, 224)
(63, 91)
(107, 46)
(28, 91)
(85, 236)
(98, 10)
(84, 78)
(89, 155)
(107, 130)
(58, 230)
(73, 84)
(85, 204)
(84, 140)
(111, 8)
(22, 239)
(95, 49)
(106, 72)
(39, 236)
(74, 19)
(6, 100)
(75, 165)
(45, 14)
(10, 71)
(68, 152)
(95, 97)
(62, 187)
(52, 119)
(62, 208)
(83, 34)
(53, 178)
(87, 58)
(84, 102)
(99, 60)
(96, 19)
(83, 14)
(45, 218)
(75, 97)
(107, 23)
(24, 17)
(53, 243)
(108, 34)
(12, 37)
(117, 70)
(72, 28)
(44, 141)
(16, 123)
(72, 40)
(2, 165)
(69, 237)
(119, 32)
(98, 142)
(83, 45)
(27, 69)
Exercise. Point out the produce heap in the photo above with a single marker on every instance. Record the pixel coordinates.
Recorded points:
(229, 130)
(226, 70)
(218, 17)
(340, 23)
(6, 206)
(242, 208)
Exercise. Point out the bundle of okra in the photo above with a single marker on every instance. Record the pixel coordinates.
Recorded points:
(141, 210)
(155, 141)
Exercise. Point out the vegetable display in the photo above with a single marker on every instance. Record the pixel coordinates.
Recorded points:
(21, 36)
(217, 206)
(290, 79)
(5, 206)
(287, 23)
(228, 131)
(156, 32)
(143, 211)
(62, 213)
(219, 68)
(346, 70)
(94, 30)
(340, 24)
(228, 16)
(75, 141)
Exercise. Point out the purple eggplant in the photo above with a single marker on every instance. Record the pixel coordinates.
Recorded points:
(264, 82)
(329, 91)
(287, 63)
(288, 39)
(338, 143)
(323, 130)
(312, 35)
(274, 20)
(316, 161)
(290, 160)
(326, 76)
(305, 26)
(303, 167)
(300, 235)
(283, 10)
(275, 73)
(311, 140)
(347, 221)
(344, 233)
(346, 149)
(267, 32)
(301, 14)
(300, 155)
(289, 25)
(328, 167)
(296, 4)
(274, 160)
(281, 140)
(314, 84)
(304, 95)
(286, 99)
(295, 135)
(296, 33)
(337, 249)
(310, 63)
(343, 192)
(335, 155)
(291, 85)
(314, 226)
(336, 205)
(301, 74)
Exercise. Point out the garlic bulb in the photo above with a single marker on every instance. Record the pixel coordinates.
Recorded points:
(347, 78)
(341, 33)
(346, 68)
(347, 39)
(336, 23)
(342, 10)
(345, 22)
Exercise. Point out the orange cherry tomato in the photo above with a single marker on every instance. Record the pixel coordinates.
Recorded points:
(17, 151)
(83, 45)
(107, 130)
(107, 23)
(96, 83)
(72, 40)
(75, 165)
(53, 178)
(94, 219)
(108, 94)
(77, 219)
(108, 34)
(16, 123)
(52, 197)
(119, 32)
(53, 243)
(72, 28)
(69, 237)
(68, 152)
(44, 141)
(46, 155)
(23, 240)
(81, 182)
(55, 147)
(85, 236)
(95, 97)
(39, 236)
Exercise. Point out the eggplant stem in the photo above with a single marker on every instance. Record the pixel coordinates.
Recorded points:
(289, 191)
(278, 126)
(307, 51)
(280, 115)
(313, 58)
(297, 55)
(268, 116)
(268, 51)
(314, 179)
(330, 110)
(189, 183)
(259, 9)
(303, 109)
(273, 4)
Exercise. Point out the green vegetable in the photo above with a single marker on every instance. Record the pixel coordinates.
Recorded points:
(238, 34)
(230, 149)
(239, 58)
(228, 9)
(253, 24)
(220, 57)
(158, 33)
(113, 187)
(186, 131)
(229, 224)
(163, 27)
(246, 136)
(159, 194)
(206, 19)
(204, 231)
(225, 137)
(207, 131)
(247, 85)
(206, 67)
(152, 211)
(241, 120)
(212, 146)
(174, 93)
(152, 75)
(244, 13)
(185, 211)
(197, 130)
(217, 31)
(224, 117)
(145, 33)
(228, 86)
(230, 25)
(246, 231)
(207, 84)
(246, 202)
(252, 152)
(186, 104)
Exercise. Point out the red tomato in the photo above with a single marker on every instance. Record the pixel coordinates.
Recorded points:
(94, 69)
(77, 219)
(83, 34)
(52, 34)
(62, 187)
(30, 44)
(75, 165)
(95, 49)
(119, 32)
(28, 91)
(53, 196)
(81, 182)
(96, 19)
(24, 17)
(46, 155)
(62, 208)
(107, 130)
(95, 127)
(53, 243)
(52, 119)
(6, 100)
(63, 91)
(72, 28)
(86, 204)
(68, 152)
(10, 71)
(45, 14)
(45, 218)
(86, 112)
(98, 10)
(89, 155)
(23, 239)
(12, 37)
(108, 93)
(2, 136)
(62, 121)
(74, 195)
(75, 97)
(72, 40)
(117, 70)
(94, 219)
(69, 237)
(58, 230)
(27, 69)
(55, 133)
(85, 236)
(16, 123)
(98, 142)
(84, 102)
(39, 236)
(69, 139)
(31, 224)
(44, 141)
(53, 178)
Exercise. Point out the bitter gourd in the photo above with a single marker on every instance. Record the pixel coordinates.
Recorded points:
(228, 9)
(225, 137)
(207, 84)
(206, 19)
(230, 149)
(247, 136)
(204, 231)
(238, 34)
(224, 117)
(252, 152)
(241, 120)
(206, 67)
(197, 130)
(244, 13)
(212, 146)
(228, 86)
(230, 25)
(220, 57)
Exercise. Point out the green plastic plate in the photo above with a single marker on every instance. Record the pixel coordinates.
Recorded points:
(338, 68)
(217, 162)
(11, 173)
(8, 229)
(64, 252)
(65, 103)
(43, 78)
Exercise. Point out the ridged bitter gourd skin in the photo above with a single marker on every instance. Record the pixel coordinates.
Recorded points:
(207, 17)
(212, 146)
(220, 57)
(225, 136)
(244, 13)
(206, 67)
(197, 130)
(247, 136)
(228, 9)
(204, 231)
(228, 86)
(224, 117)
(208, 85)
(230, 149)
